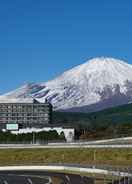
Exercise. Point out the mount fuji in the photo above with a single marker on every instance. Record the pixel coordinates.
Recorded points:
(97, 84)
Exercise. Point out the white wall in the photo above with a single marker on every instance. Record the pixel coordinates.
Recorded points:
(68, 132)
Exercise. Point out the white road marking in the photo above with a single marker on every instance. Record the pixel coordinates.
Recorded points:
(30, 181)
(67, 177)
(50, 180)
(5, 182)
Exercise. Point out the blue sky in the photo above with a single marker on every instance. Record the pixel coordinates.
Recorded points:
(39, 39)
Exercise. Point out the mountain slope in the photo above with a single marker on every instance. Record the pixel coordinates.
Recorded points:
(108, 123)
(99, 83)
(114, 115)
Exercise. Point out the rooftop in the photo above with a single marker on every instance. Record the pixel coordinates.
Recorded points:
(18, 100)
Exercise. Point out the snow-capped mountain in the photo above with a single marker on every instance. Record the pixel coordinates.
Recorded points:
(94, 85)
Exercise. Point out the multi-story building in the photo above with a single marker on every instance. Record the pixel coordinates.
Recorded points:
(25, 114)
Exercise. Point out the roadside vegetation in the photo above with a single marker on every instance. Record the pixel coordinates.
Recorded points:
(112, 157)
(29, 138)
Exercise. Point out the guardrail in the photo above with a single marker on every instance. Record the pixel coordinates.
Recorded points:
(66, 168)
(94, 146)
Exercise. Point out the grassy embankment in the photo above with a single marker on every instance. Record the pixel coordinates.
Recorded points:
(113, 157)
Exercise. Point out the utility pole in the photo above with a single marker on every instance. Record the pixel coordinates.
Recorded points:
(94, 157)
(128, 176)
(124, 176)
(33, 141)
(119, 178)
(104, 180)
(124, 179)
(112, 179)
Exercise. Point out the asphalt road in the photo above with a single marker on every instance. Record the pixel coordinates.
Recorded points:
(123, 181)
(41, 177)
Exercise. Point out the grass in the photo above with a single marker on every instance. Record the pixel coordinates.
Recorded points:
(113, 157)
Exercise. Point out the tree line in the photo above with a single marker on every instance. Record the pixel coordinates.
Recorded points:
(34, 137)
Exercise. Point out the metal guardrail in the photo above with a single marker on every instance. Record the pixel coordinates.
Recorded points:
(121, 177)
(65, 145)
(90, 169)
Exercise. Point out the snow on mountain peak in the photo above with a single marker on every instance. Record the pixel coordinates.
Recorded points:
(83, 85)
(95, 73)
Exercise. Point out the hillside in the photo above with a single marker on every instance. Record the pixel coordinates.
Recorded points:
(112, 122)
(120, 114)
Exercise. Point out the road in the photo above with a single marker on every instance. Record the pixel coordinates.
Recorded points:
(64, 145)
(41, 177)
(123, 142)
(123, 181)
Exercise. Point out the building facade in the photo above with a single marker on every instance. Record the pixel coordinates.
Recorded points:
(25, 114)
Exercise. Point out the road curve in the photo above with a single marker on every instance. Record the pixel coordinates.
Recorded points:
(41, 177)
